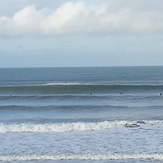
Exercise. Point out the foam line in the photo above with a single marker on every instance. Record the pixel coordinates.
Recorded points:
(81, 157)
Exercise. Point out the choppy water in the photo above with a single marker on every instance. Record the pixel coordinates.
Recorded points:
(109, 114)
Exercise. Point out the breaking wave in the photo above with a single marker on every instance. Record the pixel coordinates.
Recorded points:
(78, 126)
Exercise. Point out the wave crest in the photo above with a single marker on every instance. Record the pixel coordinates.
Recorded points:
(79, 89)
(67, 127)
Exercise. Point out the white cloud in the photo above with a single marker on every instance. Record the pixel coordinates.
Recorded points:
(80, 18)
(58, 22)
(23, 22)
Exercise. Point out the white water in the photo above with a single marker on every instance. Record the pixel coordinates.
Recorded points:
(115, 143)
(79, 126)
(82, 157)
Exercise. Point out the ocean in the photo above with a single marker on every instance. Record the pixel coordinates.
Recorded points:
(76, 115)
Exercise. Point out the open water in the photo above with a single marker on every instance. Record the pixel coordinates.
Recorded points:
(93, 115)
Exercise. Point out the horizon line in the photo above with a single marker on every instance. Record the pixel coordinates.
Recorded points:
(79, 66)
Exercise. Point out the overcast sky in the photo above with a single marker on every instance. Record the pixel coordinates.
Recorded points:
(61, 33)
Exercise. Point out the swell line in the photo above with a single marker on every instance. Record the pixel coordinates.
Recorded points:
(78, 89)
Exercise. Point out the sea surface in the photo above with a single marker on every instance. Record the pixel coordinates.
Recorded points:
(78, 115)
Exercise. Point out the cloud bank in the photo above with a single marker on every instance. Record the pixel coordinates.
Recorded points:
(81, 18)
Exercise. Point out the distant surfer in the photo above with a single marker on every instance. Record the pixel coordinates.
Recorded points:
(121, 93)
(160, 94)
(91, 94)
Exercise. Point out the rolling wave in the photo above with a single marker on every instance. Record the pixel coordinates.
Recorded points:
(76, 126)
(78, 89)
(68, 107)
(81, 157)
(75, 107)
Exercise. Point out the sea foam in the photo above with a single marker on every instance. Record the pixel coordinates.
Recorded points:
(82, 157)
(76, 126)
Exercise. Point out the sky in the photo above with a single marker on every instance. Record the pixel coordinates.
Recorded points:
(79, 33)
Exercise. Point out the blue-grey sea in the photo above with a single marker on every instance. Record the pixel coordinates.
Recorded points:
(78, 115)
